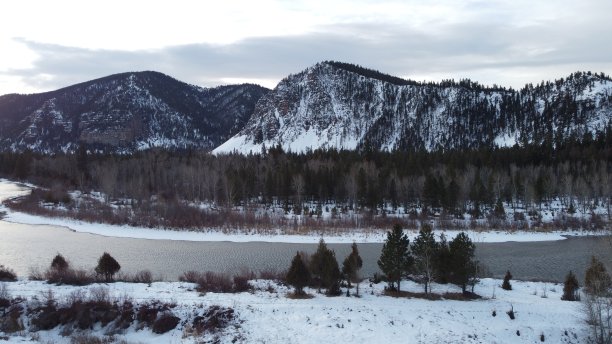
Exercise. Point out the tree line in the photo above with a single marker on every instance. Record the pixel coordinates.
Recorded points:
(425, 261)
(479, 182)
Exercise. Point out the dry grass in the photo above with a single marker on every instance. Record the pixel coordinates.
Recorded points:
(301, 296)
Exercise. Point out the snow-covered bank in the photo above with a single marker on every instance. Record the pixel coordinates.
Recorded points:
(266, 315)
(10, 189)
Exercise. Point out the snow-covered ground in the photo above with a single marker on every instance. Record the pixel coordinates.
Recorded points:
(11, 189)
(271, 317)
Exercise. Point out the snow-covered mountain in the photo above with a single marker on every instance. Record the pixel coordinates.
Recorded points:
(125, 113)
(343, 106)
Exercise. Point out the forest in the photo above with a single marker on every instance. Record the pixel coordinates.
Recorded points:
(506, 187)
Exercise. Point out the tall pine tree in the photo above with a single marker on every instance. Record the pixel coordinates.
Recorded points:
(463, 267)
(424, 249)
(395, 260)
(298, 275)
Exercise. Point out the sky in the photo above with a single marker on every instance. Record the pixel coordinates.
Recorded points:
(46, 45)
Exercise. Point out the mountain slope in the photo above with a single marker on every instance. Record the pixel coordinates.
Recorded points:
(343, 106)
(124, 113)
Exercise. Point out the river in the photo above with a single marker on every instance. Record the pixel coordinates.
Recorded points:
(23, 247)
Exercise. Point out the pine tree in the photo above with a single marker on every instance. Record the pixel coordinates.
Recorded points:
(499, 211)
(443, 261)
(570, 288)
(463, 267)
(351, 265)
(506, 284)
(298, 275)
(107, 266)
(424, 249)
(331, 273)
(597, 280)
(324, 268)
(59, 263)
(316, 263)
(395, 260)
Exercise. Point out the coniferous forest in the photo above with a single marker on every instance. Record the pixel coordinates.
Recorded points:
(511, 188)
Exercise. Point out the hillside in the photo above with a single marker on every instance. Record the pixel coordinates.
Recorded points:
(343, 106)
(124, 113)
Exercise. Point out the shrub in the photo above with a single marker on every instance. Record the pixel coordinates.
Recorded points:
(272, 275)
(143, 276)
(7, 275)
(107, 267)
(59, 263)
(241, 284)
(570, 288)
(511, 313)
(78, 277)
(166, 322)
(215, 283)
(597, 280)
(215, 318)
(506, 284)
(190, 276)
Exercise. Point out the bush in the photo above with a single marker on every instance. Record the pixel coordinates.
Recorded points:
(190, 276)
(215, 318)
(241, 283)
(107, 267)
(143, 276)
(215, 283)
(166, 322)
(597, 280)
(59, 263)
(78, 277)
(506, 284)
(272, 275)
(570, 288)
(7, 275)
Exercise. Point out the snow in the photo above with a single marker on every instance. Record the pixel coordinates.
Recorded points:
(271, 317)
(10, 189)
(505, 140)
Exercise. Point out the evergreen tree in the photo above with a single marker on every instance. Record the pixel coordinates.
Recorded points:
(331, 273)
(597, 280)
(570, 288)
(499, 211)
(506, 284)
(395, 260)
(107, 266)
(317, 260)
(324, 268)
(298, 275)
(443, 261)
(59, 263)
(351, 265)
(463, 267)
(424, 249)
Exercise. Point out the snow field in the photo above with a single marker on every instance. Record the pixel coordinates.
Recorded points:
(271, 317)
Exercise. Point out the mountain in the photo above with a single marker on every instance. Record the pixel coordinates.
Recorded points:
(124, 113)
(344, 106)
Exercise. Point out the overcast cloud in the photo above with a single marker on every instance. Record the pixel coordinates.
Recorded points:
(490, 42)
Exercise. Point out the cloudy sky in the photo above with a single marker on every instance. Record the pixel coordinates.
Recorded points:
(45, 45)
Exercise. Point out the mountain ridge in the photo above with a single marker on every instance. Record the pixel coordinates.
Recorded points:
(125, 112)
(335, 106)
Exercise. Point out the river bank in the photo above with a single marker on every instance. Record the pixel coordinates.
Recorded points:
(10, 189)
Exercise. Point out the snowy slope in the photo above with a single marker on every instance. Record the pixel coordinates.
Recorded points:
(268, 316)
(124, 113)
(335, 105)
